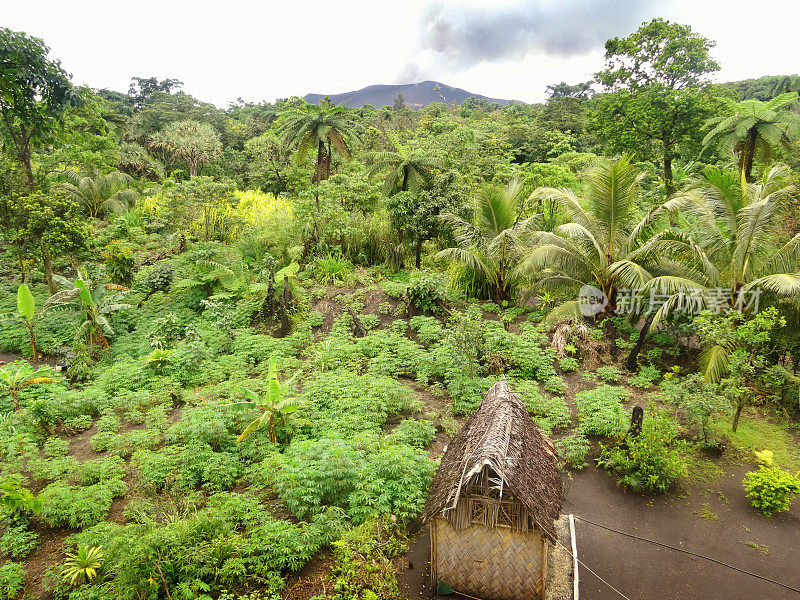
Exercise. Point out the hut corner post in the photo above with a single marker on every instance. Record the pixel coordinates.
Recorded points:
(575, 584)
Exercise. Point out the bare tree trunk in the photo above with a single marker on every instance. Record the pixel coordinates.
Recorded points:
(632, 362)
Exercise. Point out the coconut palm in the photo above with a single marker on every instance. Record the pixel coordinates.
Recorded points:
(324, 127)
(100, 194)
(493, 245)
(407, 169)
(95, 301)
(605, 240)
(734, 255)
(754, 127)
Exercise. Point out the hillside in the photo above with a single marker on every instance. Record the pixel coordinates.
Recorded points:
(416, 95)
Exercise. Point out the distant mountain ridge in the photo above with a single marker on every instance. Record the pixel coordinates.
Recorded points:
(416, 95)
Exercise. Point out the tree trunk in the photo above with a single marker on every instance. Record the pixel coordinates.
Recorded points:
(750, 153)
(32, 333)
(669, 184)
(737, 414)
(48, 268)
(404, 185)
(418, 252)
(632, 362)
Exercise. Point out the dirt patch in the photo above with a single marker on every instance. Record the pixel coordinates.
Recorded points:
(50, 553)
(414, 567)
(311, 580)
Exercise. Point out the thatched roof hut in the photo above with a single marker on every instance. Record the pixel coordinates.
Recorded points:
(493, 503)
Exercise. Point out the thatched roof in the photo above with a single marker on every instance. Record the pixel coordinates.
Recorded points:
(501, 434)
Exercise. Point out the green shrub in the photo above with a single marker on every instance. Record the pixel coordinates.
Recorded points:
(609, 374)
(101, 469)
(549, 412)
(651, 461)
(18, 542)
(568, 364)
(363, 566)
(315, 318)
(600, 411)
(555, 385)
(771, 489)
(332, 268)
(574, 449)
(79, 506)
(370, 321)
(646, 377)
(426, 291)
(12, 580)
(414, 432)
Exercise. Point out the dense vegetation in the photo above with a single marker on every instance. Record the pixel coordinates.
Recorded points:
(269, 313)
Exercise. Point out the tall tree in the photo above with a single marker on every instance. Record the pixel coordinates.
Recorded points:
(755, 128)
(323, 127)
(49, 223)
(735, 250)
(493, 245)
(604, 238)
(34, 93)
(407, 169)
(190, 141)
(656, 81)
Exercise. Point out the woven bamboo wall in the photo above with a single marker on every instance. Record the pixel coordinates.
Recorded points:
(492, 564)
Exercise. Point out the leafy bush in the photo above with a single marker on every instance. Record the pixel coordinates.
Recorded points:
(769, 488)
(600, 411)
(101, 469)
(12, 580)
(549, 412)
(361, 478)
(332, 268)
(646, 377)
(18, 542)
(414, 432)
(650, 461)
(555, 385)
(568, 364)
(426, 291)
(609, 374)
(315, 318)
(78, 507)
(574, 449)
(363, 566)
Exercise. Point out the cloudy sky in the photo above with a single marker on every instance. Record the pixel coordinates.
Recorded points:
(267, 49)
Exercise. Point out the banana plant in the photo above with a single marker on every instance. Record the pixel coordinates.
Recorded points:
(18, 375)
(95, 302)
(26, 314)
(275, 406)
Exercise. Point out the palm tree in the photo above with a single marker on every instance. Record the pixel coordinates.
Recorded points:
(410, 170)
(83, 565)
(604, 238)
(101, 193)
(754, 127)
(323, 126)
(735, 254)
(494, 244)
(96, 304)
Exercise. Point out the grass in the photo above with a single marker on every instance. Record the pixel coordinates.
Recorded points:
(757, 433)
(705, 512)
